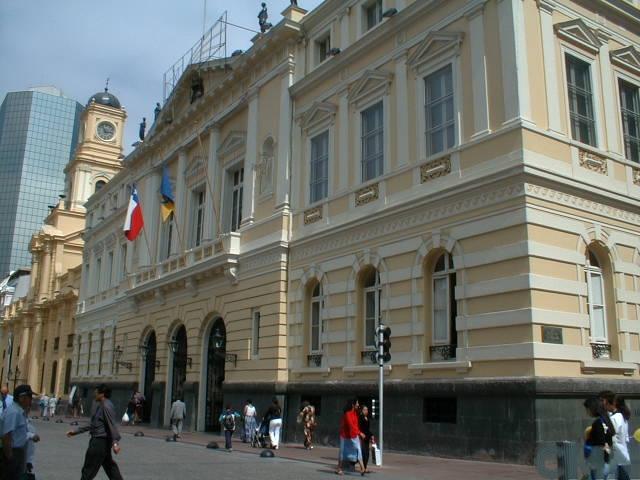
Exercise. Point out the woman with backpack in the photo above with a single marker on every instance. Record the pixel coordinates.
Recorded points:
(228, 421)
(599, 439)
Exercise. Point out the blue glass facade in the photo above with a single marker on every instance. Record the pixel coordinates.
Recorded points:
(38, 134)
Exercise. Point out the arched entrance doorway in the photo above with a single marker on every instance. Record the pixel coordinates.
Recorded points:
(216, 349)
(148, 350)
(179, 348)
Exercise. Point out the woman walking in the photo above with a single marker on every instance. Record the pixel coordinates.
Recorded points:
(307, 417)
(620, 420)
(275, 423)
(250, 425)
(599, 439)
(350, 436)
(365, 442)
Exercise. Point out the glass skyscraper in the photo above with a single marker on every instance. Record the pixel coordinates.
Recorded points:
(38, 134)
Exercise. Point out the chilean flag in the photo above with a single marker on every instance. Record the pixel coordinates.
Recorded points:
(134, 222)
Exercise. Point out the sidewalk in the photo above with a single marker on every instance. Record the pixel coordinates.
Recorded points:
(414, 466)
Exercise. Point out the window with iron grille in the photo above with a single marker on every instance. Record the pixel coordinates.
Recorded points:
(581, 113)
(630, 109)
(439, 114)
(372, 142)
(319, 167)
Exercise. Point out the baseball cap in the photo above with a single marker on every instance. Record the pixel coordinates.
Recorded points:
(22, 390)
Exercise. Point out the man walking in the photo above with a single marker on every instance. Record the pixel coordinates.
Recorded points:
(104, 437)
(178, 414)
(14, 434)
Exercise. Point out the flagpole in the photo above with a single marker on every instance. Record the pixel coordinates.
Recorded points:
(146, 240)
(210, 188)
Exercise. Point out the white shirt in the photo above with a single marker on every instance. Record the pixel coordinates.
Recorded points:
(620, 439)
(249, 411)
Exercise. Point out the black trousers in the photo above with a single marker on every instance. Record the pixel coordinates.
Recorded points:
(99, 455)
(365, 446)
(15, 468)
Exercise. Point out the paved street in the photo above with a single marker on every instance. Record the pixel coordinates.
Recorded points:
(150, 457)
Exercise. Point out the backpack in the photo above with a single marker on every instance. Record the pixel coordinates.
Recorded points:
(229, 422)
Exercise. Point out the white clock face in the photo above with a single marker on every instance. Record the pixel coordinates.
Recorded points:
(106, 131)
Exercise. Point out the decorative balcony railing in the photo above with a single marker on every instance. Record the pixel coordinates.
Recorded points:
(440, 353)
(314, 360)
(601, 350)
(371, 355)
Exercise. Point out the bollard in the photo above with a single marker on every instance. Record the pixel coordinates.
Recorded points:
(567, 454)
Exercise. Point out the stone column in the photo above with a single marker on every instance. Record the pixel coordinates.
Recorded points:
(478, 72)
(550, 65)
(611, 115)
(283, 177)
(251, 155)
(344, 161)
(513, 52)
(178, 239)
(212, 206)
(402, 111)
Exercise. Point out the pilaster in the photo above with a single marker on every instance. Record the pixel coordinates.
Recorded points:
(479, 72)
(283, 178)
(402, 111)
(180, 214)
(608, 91)
(212, 212)
(248, 198)
(546, 8)
(343, 139)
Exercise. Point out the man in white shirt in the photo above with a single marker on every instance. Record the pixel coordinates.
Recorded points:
(15, 434)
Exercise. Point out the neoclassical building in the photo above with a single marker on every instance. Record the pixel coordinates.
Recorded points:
(38, 329)
(465, 172)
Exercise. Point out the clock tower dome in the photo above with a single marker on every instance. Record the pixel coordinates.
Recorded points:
(98, 155)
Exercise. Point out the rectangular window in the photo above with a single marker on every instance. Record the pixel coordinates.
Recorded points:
(323, 48)
(109, 268)
(70, 340)
(319, 167)
(440, 310)
(630, 109)
(316, 319)
(98, 274)
(255, 333)
(581, 113)
(166, 238)
(373, 14)
(237, 178)
(596, 306)
(56, 344)
(439, 113)
(440, 410)
(372, 297)
(372, 142)
(197, 217)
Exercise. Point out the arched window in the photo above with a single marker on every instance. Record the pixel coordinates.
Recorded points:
(444, 309)
(316, 305)
(372, 293)
(596, 302)
(100, 184)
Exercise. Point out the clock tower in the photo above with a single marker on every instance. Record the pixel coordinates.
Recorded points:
(98, 155)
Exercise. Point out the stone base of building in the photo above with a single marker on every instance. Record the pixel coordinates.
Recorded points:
(505, 420)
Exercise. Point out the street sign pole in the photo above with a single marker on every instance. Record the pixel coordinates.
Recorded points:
(381, 387)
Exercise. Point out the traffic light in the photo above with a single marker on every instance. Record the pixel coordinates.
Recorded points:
(386, 344)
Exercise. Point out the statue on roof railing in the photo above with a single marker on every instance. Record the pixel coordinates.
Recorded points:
(294, 3)
(143, 127)
(263, 16)
(156, 111)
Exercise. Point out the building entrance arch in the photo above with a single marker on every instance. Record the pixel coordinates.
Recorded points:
(216, 353)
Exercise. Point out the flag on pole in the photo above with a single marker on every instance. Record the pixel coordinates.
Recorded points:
(167, 204)
(134, 222)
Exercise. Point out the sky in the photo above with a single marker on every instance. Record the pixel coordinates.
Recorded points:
(77, 44)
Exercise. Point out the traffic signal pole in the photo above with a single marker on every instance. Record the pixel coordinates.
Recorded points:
(381, 387)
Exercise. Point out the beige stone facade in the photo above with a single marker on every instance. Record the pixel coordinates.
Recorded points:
(41, 325)
(465, 172)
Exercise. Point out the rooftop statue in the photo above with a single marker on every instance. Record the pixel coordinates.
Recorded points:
(263, 16)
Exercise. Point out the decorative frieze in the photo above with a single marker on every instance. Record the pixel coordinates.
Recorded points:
(593, 162)
(434, 169)
(312, 215)
(367, 194)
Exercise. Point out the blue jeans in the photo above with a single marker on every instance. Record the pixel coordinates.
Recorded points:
(227, 439)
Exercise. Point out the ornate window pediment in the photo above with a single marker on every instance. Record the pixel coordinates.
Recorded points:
(434, 45)
(372, 83)
(578, 33)
(628, 58)
(233, 142)
(318, 115)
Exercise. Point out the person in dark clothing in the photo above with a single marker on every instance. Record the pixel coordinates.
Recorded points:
(598, 439)
(364, 422)
(104, 437)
